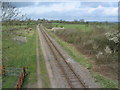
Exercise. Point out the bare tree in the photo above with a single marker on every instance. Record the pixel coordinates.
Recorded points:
(9, 12)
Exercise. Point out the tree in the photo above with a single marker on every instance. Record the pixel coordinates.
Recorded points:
(9, 12)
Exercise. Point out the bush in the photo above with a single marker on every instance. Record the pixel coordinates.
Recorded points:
(93, 42)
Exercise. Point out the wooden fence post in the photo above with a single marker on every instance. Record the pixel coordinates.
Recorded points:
(24, 71)
(2, 70)
(21, 78)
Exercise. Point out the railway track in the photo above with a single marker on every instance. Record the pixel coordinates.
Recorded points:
(71, 77)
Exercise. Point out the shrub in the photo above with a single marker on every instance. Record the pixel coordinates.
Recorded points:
(99, 39)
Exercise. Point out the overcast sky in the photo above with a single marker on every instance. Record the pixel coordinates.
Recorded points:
(90, 11)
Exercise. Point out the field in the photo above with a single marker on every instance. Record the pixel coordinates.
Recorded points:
(18, 52)
(92, 45)
(87, 27)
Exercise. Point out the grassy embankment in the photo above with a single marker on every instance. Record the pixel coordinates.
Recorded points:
(72, 31)
(45, 78)
(18, 55)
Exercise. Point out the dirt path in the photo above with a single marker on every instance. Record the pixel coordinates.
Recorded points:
(46, 58)
(39, 76)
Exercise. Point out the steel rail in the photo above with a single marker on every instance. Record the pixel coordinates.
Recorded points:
(47, 38)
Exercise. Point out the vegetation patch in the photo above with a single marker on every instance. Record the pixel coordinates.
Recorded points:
(105, 82)
(17, 55)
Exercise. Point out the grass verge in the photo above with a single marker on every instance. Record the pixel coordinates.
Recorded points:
(18, 55)
(104, 81)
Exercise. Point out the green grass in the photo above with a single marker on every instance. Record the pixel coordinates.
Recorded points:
(11, 26)
(104, 81)
(18, 55)
(90, 27)
(73, 26)
(45, 78)
(9, 81)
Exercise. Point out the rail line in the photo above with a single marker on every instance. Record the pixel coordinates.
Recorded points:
(72, 78)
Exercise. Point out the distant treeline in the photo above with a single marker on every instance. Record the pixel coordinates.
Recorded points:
(81, 21)
(30, 21)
